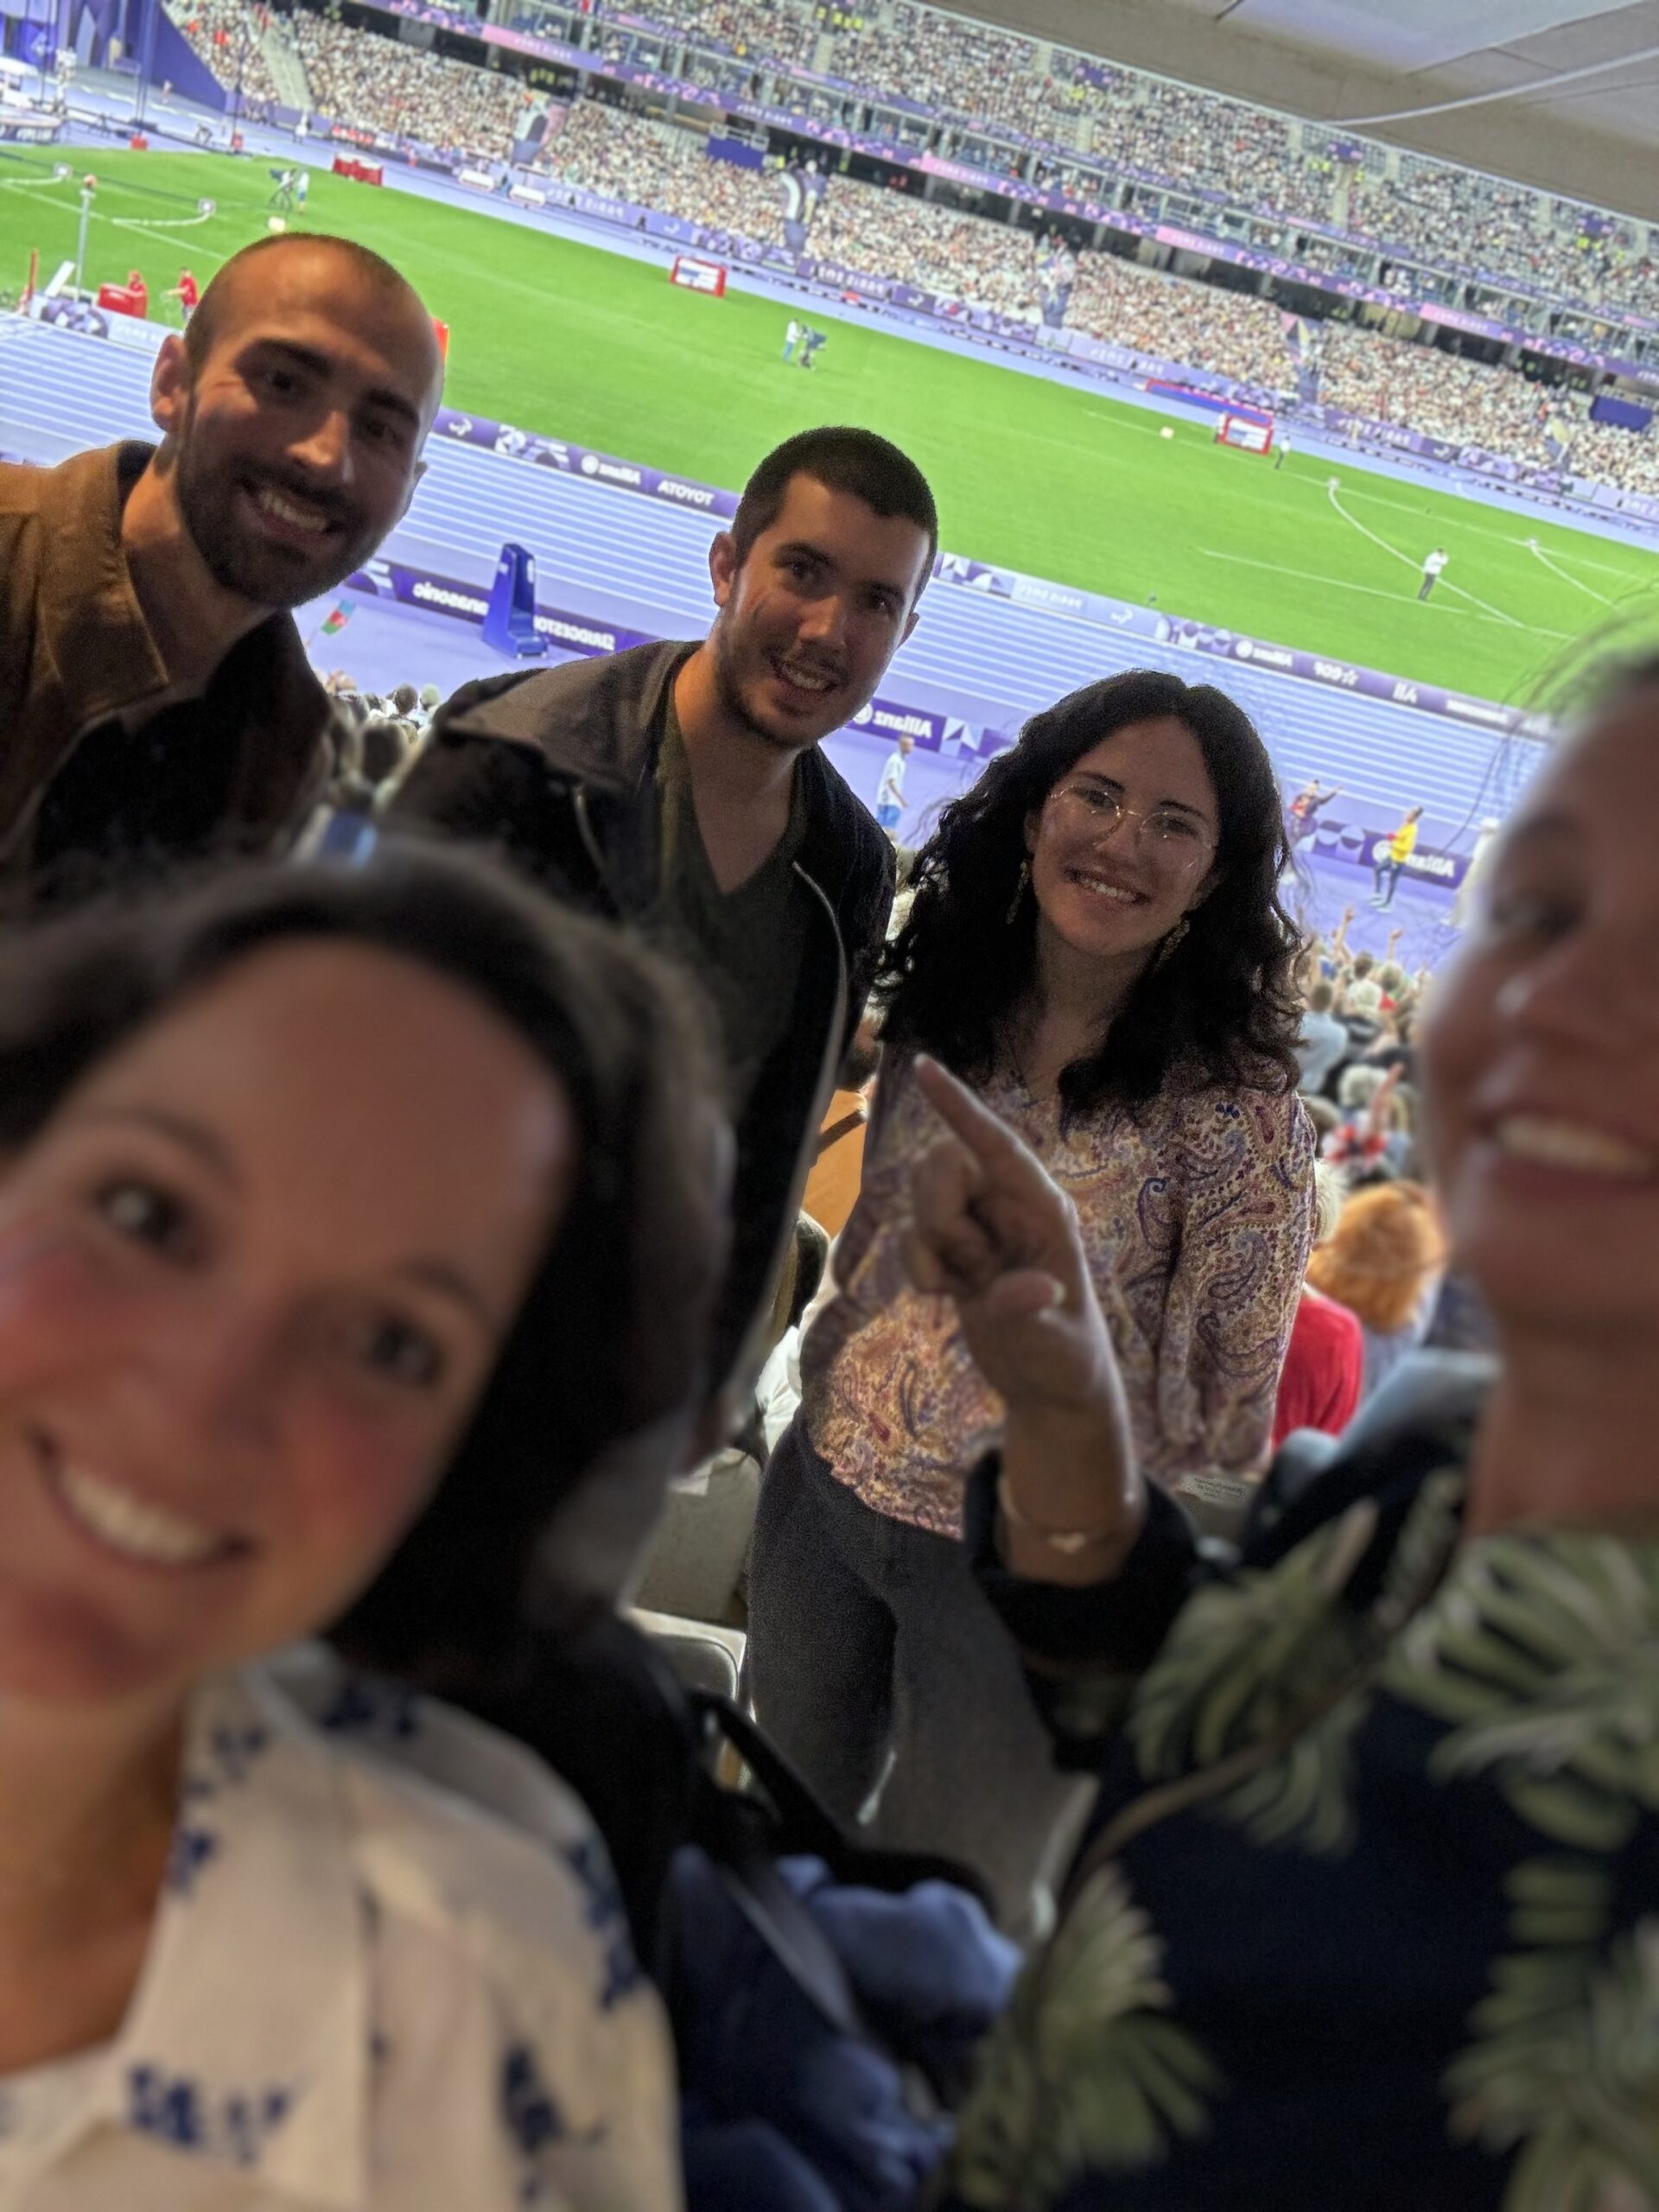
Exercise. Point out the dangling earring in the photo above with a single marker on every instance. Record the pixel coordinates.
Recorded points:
(1019, 883)
(1171, 943)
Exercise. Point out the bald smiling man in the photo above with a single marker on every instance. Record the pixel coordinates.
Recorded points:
(155, 703)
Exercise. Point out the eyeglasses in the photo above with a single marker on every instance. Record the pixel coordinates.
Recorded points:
(1173, 833)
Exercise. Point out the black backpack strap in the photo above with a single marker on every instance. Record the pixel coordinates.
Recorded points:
(800, 1825)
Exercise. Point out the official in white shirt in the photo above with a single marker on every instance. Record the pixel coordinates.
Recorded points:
(330, 1207)
(890, 801)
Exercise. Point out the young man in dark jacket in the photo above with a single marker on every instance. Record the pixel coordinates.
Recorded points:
(680, 786)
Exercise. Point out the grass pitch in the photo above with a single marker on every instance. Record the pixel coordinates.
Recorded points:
(1057, 481)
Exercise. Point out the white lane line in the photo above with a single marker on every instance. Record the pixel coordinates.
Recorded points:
(1539, 554)
(1497, 612)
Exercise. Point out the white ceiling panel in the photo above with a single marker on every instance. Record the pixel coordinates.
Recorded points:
(1406, 36)
(1562, 93)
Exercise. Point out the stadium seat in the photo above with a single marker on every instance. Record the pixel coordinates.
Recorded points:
(702, 1542)
(703, 1657)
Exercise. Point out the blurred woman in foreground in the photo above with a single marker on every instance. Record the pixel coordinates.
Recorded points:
(328, 1206)
(1366, 1915)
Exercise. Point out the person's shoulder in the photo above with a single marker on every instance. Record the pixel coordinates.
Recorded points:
(1263, 1099)
(42, 498)
(477, 698)
(497, 1927)
(1330, 1327)
(589, 700)
(458, 1829)
(20, 491)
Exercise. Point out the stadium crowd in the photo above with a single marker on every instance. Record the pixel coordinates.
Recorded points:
(888, 234)
(227, 34)
(1518, 235)
(1130, 124)
(955, 256)
(407, 1106)
(1421, 388)
(1222, 334)
(376, 83)
(879, 234)
(655, 166)
(1605, 452)
(966, 69)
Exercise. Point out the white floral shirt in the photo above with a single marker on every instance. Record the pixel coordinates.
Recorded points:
(390, 1971)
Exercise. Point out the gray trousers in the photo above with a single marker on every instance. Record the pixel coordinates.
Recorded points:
(869, 1637)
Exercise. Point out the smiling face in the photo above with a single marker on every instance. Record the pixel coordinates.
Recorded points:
(254, 1274)
(295, 439)
(809, 622)
(1125, 842)
(1540, 1049)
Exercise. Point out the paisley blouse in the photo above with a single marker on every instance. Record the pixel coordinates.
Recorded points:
(1196, 1216)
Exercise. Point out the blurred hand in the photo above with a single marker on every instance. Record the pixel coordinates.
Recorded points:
(991, 1230)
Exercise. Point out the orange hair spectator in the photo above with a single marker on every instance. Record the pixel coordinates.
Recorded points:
(1385, 1264)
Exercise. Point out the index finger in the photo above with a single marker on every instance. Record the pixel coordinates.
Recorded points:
(994, 1146)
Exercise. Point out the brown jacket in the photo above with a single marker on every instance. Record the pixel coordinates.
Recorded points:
(75, 650)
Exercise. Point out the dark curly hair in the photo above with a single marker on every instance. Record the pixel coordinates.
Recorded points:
(1222, 1009)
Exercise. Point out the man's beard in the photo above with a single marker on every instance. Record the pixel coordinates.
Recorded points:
(268, 575)
(729, 691)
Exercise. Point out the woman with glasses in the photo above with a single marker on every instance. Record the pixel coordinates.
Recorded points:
(1097, 948)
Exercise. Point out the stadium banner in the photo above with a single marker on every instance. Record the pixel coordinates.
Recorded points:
(1361, 846)
(569, 632)
(132, 331)
(674, 227)
(581, 461)
(31, 128)
(1561, 491)
(740, 152)
(581, 201)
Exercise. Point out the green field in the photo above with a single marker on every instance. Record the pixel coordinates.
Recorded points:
(1056, 481)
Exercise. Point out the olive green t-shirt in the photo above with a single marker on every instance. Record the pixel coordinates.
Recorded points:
(746, 946)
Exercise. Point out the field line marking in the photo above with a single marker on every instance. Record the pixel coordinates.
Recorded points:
(1496, 612)
(1539, 554)
(161, 223)
(1364, 494)
(1341, 583)
(1130, 410)
(161, 230)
